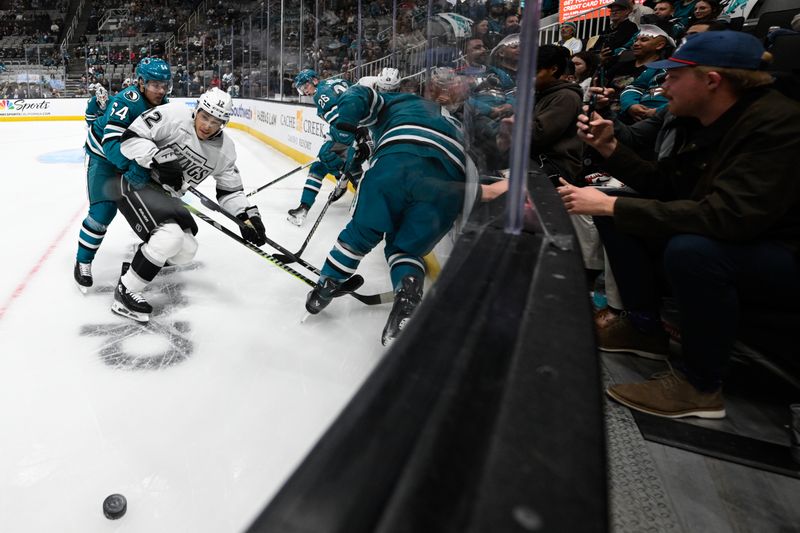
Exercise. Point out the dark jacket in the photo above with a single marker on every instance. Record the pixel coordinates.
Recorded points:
(735, 180)
(618, 37)
(554, 132)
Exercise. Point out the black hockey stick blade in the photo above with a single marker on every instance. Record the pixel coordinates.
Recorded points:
(349, 286)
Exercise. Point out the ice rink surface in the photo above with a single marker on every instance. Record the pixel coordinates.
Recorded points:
(197, 418)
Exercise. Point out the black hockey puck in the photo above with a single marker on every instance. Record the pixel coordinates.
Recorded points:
(115, 506)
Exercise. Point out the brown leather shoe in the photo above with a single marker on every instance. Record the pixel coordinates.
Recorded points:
(620, 335)
(604, 317)
(669, 394)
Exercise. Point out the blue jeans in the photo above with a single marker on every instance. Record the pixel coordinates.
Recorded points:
(711, 281)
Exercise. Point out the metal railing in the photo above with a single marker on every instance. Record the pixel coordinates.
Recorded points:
(587, 24)
(117, 15)
(408, 61)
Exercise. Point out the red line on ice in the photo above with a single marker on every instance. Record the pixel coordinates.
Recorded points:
(24, 283)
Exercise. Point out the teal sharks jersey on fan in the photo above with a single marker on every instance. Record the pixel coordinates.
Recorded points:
(326, 96)
(103, 138)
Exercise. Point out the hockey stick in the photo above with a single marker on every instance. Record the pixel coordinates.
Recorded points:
(211, 204)
(331, 198)
(347, 288)
(279, 178)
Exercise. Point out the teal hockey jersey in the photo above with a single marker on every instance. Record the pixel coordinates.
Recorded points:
(104, 135)
(400, 123)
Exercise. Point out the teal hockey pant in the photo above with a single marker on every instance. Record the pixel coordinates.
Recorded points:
(412, 202)
(100, 180)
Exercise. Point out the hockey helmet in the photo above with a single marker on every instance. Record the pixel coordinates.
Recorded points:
(303, 77)
(101, 96)
(388, 80)
(216, 103)
(153, 69)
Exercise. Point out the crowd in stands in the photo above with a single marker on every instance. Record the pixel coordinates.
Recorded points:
(680, 183)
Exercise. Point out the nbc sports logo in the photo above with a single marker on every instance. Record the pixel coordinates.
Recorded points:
(7, 105)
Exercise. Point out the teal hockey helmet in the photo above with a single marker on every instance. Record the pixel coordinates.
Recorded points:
(303, 77)
(153, 69)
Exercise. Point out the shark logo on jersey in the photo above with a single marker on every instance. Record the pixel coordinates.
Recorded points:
(195, 166)
(133, 96)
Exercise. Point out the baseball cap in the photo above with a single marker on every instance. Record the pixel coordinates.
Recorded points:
(726, 49)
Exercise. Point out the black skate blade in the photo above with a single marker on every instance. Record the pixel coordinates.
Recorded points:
(121, 310)
(350, 285)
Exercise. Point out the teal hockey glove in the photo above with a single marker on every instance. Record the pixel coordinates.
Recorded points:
(137, 175)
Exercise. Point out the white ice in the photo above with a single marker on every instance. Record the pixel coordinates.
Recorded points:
(196, 419)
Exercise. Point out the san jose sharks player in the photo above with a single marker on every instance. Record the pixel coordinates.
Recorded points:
(106, 163)
(175, 147)
(411, 194)
(97, 105)
(325, 94)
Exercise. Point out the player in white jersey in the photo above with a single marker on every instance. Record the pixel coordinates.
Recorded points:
(177, 148)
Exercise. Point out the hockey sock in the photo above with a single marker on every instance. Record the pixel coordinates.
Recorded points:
(402, 265)
(89, 239)
(141, 272)
(341, 262)
(311, 189)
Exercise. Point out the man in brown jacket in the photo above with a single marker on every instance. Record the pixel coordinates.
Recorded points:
(720, 215)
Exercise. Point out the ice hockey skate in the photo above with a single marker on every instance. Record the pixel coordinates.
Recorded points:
(298, 215)
(406, 299)
(83, 276)
(321, 295)
(131, 304)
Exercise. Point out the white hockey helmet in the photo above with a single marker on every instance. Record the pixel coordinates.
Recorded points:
(216, 103)
(101, 96)
(388, 80)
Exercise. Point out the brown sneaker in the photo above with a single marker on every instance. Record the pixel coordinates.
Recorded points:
(604, 317)
(669, 394)
(621, 336)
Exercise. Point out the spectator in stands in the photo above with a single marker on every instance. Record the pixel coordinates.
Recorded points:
(555, 147)
(480, 30)
(644, 96)
(620, 32)
(683, 10)
(497, 15)
(705, 11)
(504, 60)
(698, 27)
(585, 68)
(650, 43)
(475, 57)
(664, 17)
(568, 39)
(511, 25)
(720, 214)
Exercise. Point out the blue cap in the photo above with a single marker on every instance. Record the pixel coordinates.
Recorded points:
(725, 49)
